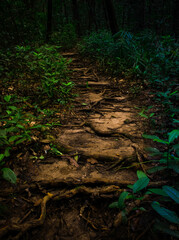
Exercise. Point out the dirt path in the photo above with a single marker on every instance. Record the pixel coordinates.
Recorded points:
(100, 140)
(104, 132)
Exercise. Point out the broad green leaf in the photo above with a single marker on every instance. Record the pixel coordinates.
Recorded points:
(76, 158)
(165, 213)
(141, 174)
(151, 115)
(121, 200)
(156, 169)
(20, 126)
(161, 141)
(176, 148)
(154, 138)
(7, 98)
(158, 191)
(6, 152)
(13, 138)
(12, 108)
(9, 175)
(173, 163)
(130, 186)
(114, 205)
(140, 184)
(11, 129)
(171, 192)
(164, 228)
(173, 135)
(3, 133)
(1, 157)
(143, 115)
(21, 140)
(153, 151)
(150, 136)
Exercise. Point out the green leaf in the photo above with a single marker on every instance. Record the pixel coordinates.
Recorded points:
(154, 138)
(151, 115)
(173, 135)
(150, 136)
(156, 169)
(121, 200)
(153, 151)
(114, 205)
(141, 174)
(140, 184)
(21, 140)
(158, 191)
(1, 157)
(173, 163)
(13, 138)
(12, 108)
(165, 213)
(20, 126)
(7, 98)
(9, 175)
(161, 141)
(6, 152)
(171, 192)
(176, 148)
(143, 115)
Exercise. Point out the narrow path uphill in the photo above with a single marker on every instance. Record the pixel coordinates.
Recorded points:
(103, 131)
(102, 148)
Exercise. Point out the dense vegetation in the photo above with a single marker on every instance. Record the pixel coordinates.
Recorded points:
(135, 40)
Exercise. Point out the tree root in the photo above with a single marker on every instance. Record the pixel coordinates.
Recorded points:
(76, 182)
(113, 186)
(22, 228)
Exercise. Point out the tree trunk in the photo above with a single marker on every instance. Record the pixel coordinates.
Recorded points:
(111, 16)
(76, 17)
(176, 18)
(49, 20)
(92, 14)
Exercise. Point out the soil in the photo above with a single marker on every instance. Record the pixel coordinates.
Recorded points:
(67, 197)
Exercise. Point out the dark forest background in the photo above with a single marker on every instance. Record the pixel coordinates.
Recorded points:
(29, 20)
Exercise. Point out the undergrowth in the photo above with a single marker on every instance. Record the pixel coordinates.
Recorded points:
(154, 60)
(31, 78)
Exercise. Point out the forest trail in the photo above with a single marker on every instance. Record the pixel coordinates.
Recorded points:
(102, 145)
(103, 134)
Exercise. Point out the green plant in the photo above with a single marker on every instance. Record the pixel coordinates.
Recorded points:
(15, 130)
(166, 193)
(170, 157)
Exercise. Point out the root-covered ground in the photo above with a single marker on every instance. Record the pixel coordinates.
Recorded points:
(67, 196)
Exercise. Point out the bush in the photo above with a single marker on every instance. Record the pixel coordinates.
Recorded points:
(42, 69)
(145, 55)
(66, 37)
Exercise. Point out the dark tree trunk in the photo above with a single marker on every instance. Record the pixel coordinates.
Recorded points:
(142, 15)
(49, 20)
(92, 14)
(76, 17)
(176, 18)
(111, 16)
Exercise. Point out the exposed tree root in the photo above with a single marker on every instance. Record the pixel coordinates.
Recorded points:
(77, 182)
(63, 194)
(22, 228)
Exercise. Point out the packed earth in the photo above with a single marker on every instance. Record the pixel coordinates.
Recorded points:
(99, 148)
